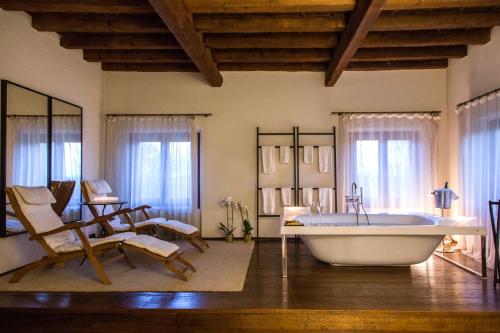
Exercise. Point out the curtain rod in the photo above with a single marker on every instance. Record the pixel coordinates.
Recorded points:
(478, 97)
(403, 112)
(42, 116)
(159, 114)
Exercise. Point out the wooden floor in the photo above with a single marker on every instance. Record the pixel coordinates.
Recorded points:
(434, 290)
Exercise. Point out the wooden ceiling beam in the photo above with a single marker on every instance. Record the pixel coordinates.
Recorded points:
(134, 56)
(278, 67)
(103, 41)
(329, 40)
(410, 53)
(98, 23)
(437, 20)
(79, 6)
(265, 23)
(137, 67)
(363, 17)
(180, 23)
(228, 6)
(294, 6)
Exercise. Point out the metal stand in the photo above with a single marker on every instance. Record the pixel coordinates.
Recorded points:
(483, 273)
(284, 257)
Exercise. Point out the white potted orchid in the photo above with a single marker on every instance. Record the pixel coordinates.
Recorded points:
(228, 228)
(247, 227)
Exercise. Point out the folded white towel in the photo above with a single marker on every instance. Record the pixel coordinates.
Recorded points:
(307, 196)
(325, 159)
(268, 160)
(326, 199)
(308, 154)
(268, 200)
(284, 154)
(286, 196)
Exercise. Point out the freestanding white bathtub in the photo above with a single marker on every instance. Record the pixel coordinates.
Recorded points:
(390, 239)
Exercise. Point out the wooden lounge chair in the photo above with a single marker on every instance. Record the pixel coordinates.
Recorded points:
(93, 189)
(33, 207)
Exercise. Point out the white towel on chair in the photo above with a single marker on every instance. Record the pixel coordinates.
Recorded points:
(268, 200)
(325, 159)
(307, 196)
(284, 154)
(326, 199)
(268, 160)
(308, 154)
(286, 196)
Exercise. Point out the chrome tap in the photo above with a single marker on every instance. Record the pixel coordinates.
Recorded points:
(356, 201)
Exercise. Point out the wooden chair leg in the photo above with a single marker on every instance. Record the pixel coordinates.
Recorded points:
(126, 258)
(186, 263)
(22, 272)
(203, 241)
(175, 270)
(192, 242)
(98, 269)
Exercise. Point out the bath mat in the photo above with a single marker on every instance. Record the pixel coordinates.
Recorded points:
(223, 267)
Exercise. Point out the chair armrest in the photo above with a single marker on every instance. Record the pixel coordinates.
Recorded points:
(69, 226)
(143, 207)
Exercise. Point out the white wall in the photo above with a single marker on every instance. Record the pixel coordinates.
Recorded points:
(466, 78)
(36, 60)
(275, 102)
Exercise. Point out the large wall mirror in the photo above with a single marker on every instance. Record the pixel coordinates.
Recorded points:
(41, 145)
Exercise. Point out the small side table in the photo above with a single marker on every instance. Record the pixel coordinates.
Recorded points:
(104, 204)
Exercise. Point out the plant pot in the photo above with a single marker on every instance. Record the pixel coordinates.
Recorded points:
(248, 238)
(229, 238)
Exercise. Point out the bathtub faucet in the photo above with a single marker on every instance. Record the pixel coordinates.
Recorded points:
(356, 201)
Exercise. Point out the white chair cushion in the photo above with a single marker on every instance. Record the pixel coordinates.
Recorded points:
(37, 195)
(77, 245)
(144, 223)
(99, 187)
(43, 218)
(183, 228)
(118, 226)
(151, 244)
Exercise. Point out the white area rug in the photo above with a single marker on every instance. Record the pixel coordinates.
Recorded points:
(223, 267)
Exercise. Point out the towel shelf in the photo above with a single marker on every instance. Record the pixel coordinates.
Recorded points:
(278, 188)
(317, 188)
(315, 146)
(276, 146)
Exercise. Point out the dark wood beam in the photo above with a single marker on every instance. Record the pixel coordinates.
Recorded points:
(79, 6)
(278, 67)
(427, 38)
(228, 6)
(100, 23)
(437, 20)
(119, 41)
(328, 40)
(180, 23)
(265, 23)
(363, 17)
(134, 56)
(397, 65)
(324, 55)
(137, 67)
(296, 6)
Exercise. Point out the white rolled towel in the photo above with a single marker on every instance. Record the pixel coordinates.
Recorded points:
(268, 200)
(286, 196)
(284, 154)
(326, 199)
(325, 159)
(308, 154)
(307, 196)
(268, 160)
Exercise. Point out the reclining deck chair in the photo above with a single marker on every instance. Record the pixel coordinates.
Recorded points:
(100, 188)
(62, 191)
(33, 207)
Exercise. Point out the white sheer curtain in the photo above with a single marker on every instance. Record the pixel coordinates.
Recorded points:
(479, 168)
(66, 157)
(26, 150)
(151, 160)
(393, 157)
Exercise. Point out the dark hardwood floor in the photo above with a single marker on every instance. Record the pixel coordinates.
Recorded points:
(370, 298)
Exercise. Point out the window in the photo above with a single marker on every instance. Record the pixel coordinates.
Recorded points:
(392, 157)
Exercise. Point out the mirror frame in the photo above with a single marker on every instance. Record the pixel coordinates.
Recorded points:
(3, 142)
